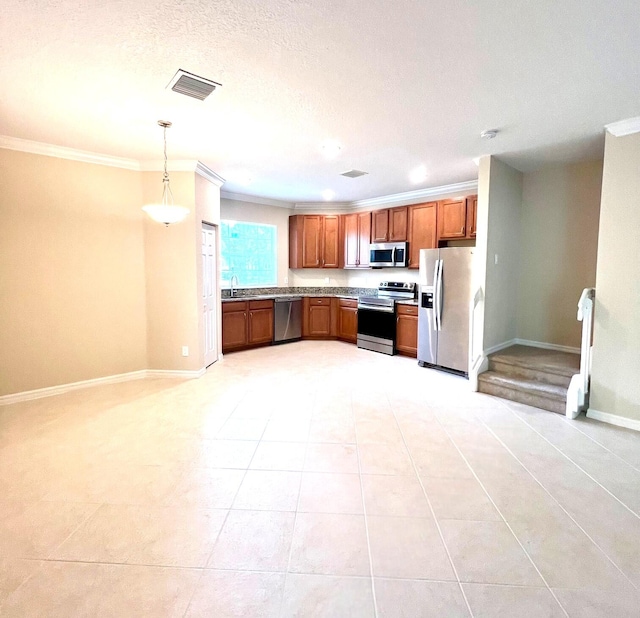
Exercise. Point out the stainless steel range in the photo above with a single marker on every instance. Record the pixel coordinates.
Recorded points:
(377, 316)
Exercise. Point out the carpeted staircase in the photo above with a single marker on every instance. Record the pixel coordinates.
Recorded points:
(532, 376)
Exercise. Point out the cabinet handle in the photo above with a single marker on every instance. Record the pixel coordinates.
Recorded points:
(462, 230)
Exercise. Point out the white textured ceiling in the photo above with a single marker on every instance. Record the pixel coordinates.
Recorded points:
(400, 84)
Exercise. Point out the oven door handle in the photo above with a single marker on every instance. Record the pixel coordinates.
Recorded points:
(380, 308)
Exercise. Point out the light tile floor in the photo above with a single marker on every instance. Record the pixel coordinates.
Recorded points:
(313, 479)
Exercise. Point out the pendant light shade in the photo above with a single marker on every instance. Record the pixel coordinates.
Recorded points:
(166, 211)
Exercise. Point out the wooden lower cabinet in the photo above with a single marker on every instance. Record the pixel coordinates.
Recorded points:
(246, 324)
(260, 322)
(407, 330)
(347, 320)
(316, 317)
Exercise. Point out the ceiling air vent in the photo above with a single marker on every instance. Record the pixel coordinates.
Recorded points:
(354, 173)
(192, 85)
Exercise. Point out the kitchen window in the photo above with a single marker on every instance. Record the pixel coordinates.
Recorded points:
(249, 251)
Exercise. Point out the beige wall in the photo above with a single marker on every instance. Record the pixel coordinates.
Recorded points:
(559, 245)
(499, 221)
(72, 272)
(171, 257)
(615, 387)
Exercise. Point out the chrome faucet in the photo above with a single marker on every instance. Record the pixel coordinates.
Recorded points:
(233, 285)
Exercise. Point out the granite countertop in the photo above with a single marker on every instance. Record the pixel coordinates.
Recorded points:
(407, 302)
(288, 295)
(273, 293)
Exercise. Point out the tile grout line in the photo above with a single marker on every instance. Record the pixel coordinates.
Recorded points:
(433, 514)
(504, 519)
(295, 520)
(562, 508)
(575, 427)
(577, 465)
(364, 511)
(213, 546)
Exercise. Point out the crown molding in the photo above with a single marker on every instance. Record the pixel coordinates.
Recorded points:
(208, 174)
(413, 197)
(624, 127)
(255, 199)
(62, 152)
(321, 206)
(173, 165)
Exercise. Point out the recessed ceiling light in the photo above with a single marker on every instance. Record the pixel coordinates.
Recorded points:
(419, 174)
(328, 195)
(331, 149)
(489, 134)
(354, 173)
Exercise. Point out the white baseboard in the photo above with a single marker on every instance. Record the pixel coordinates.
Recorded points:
(168, 373)
(614, 419)
(533, 344)
(547, 346)
(49, 391)
(499, 346)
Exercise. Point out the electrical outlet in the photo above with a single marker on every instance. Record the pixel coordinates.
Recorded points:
(185, 350)
(495, 259)
(326, 279)
(286, 280)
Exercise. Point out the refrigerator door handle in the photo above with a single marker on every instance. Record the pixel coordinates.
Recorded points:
(438, 283)
(435, 295)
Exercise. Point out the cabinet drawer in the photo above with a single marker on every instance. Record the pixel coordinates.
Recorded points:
(234, 305)
(260, 304)
(325, 302)
(348, 302)
(407, 309)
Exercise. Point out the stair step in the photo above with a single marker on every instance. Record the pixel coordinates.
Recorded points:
(538, 360)
(550, 397)
(528, 372)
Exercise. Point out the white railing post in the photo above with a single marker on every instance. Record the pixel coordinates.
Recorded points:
(475, 356)
(577, 395)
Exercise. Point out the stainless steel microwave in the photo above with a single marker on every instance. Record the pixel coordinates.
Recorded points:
(388, 255)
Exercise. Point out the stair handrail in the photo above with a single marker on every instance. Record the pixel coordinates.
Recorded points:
(578, 395)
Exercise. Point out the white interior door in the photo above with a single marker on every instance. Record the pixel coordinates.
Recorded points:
(209, 304)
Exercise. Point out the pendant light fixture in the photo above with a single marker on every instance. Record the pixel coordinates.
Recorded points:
(166, 211)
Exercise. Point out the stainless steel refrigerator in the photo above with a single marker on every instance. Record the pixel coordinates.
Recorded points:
(443, 314)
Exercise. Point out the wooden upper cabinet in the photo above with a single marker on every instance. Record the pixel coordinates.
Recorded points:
(452, 219)
(314, 241)
(398, 224)
(330, 254)
(389, 225)
(472, 215)
(364, 223)
(422, 230)
(380, 225)
(357, 231)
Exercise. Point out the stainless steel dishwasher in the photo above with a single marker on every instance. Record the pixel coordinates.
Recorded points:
(287, 318)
